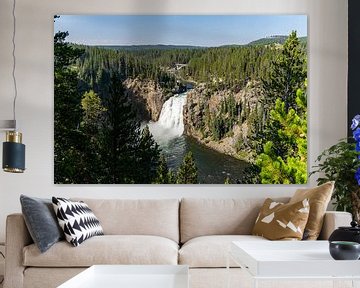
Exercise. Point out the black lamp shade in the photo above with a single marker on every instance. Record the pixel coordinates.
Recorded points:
(13, 157)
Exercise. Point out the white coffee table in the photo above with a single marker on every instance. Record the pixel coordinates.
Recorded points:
(296, 260)
(131, 276)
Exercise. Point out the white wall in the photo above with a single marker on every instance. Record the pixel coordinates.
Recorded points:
(34, 39)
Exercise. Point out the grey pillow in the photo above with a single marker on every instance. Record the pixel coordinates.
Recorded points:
(41, 221)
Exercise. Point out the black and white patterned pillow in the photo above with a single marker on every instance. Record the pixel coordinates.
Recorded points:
(77, 220)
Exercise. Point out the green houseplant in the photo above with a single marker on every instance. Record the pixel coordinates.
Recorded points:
(341, 163)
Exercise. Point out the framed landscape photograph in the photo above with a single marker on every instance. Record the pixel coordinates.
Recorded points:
(190, 99)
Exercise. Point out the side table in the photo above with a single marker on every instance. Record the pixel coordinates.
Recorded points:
(131, 276)
(293, 264)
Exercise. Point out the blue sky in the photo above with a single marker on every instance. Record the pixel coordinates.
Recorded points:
(209, 30)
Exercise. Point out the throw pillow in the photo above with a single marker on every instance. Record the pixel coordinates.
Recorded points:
(41, 222)
(279, 221)
(77, 220)
(319, 198)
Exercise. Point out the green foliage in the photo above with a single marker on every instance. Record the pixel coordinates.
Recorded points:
(282, 148)
(226, 67)
(147, 161)
(92, 108)
(187, 172)
(64, 54)
(339, 163)
(99, 63)
(288, 73)
(251, 175)
(275, 39)
(220, 123)
(162, 172)
(222, 67)
(98, 142)
(275, 170)
(129, 155)
(67, 111)
(90, 128)
(164, 175)
(284, 156)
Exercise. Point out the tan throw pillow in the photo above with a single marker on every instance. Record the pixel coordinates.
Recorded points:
(319, 198)
(279, 221)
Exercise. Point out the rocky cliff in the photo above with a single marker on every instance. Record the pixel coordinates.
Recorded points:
(147, 96)
(223, 119)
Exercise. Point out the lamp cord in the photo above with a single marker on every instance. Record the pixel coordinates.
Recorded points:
(14, 60)
(2, 280)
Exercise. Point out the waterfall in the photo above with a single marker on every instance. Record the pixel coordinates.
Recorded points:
(171, 120)
(171, 115)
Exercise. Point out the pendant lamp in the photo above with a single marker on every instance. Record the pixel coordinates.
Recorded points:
(13, 149)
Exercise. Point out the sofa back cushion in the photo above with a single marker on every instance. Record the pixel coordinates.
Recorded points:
(158, 217)
(201, 217)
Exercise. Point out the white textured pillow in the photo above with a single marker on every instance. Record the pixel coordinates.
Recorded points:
(77, 220)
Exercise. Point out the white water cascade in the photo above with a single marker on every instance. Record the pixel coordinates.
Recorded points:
(171, 120)
(171, 116)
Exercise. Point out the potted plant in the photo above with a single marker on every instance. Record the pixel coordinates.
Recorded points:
(341, 163)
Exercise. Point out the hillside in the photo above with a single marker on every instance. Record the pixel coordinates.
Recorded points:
(280, 39)
(148, 47)
(262, 41)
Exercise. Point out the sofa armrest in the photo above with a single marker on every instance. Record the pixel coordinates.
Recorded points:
(17, 237)
(333, 220)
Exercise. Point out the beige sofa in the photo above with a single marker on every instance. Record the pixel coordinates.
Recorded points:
(194, 232)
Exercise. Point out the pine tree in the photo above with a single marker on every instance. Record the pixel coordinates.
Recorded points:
(92, 108)
(129, 155)
(281, 145)
(164, 175)
(284, 156)
(90, 127)
(288, 74)
(67, 113)
(148, 154)
(162, 172)
(119, 136)
(187, 172)
(171, 177)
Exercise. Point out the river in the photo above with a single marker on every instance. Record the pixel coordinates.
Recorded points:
(213, 167)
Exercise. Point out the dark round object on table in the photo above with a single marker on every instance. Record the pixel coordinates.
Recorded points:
(344, 250)
(346, 233)
(353, 223)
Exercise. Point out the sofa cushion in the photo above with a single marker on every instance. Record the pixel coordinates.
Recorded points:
(41, 221)
(77, 220)
(158, 217)
(211, 251)
(319, 198)
(279, 221)
(107, 249)
(201, 217)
